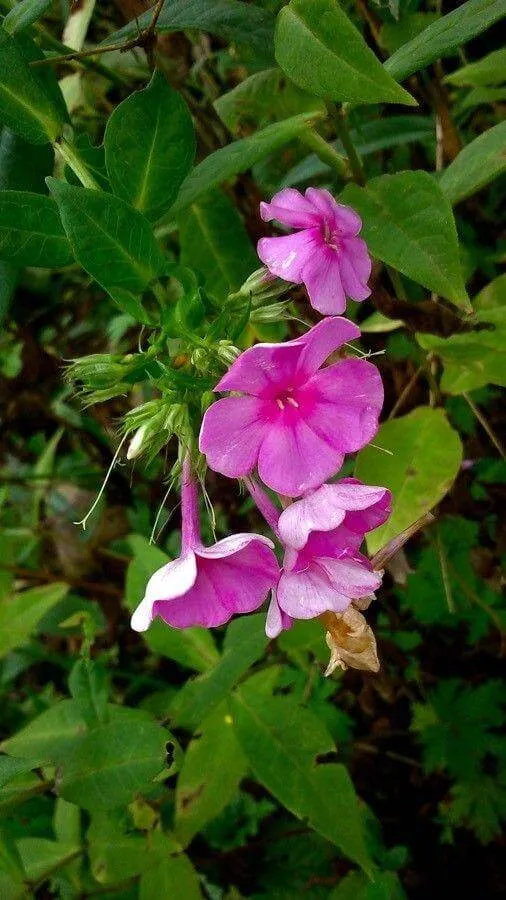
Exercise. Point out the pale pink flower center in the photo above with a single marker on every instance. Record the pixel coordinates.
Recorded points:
(331, 236)
(287, 397)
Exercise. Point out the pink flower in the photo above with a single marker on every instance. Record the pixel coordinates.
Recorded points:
(326, 255)
(294, 419)
(207, 585)
(323, 570)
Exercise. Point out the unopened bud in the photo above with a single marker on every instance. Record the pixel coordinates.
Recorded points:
(275, 312)
(135, 445)
(227, 352)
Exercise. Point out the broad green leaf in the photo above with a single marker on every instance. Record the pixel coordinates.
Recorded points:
(262, 98)
(89, 688)
(49, 736)
(236, 158)
(356, 886)
(67, 822)
(21, 614)
(41, 856)
(212, 770)
(169, 874)
(491, 69)
(473, 359)
(193, 648)
(24, 13)
(150, 147)
(286, 746)
(228, 19)
(215, 242)
(320, 49)
(111, 762)
(445, 37)
(425, 459)
(379, 134)
(114, 855)
(245, 642)
(476, 165)
(26, 107)
(10, 767)
(31, 233)
(23, 167)
(409, 224)
(112, 241)
(394, 34)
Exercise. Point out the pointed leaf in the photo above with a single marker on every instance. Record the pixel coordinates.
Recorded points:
(476, 165)
(491, 69)
(31, 232)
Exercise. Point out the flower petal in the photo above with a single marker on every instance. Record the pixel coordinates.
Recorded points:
(354, 284)
(286, 256)
(172, 580)
(290, 207)
(293, 458)
(307, 594)
(355, 249)
(347, 400)
(263, 369)
(340, 217)
(231, 435)
(322, 340)
(350, 577)
(322, 276)
(277, 620)
(319, 511)
(234, 543)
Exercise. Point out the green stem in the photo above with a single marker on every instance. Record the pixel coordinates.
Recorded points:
(326, 152)
(397, 284)
(91, 64)
(77, 164)
(339, 119)
(485, 425)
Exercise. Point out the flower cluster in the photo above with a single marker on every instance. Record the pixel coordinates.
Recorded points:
(291, 413)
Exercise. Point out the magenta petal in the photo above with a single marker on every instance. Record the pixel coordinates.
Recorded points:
(319, 511)
(348, 397)
(293, 458)
(291, 208)
(172, 580)
(338, 216)
(323, 339)
(355, 250)
(234, 543)
(231, 435)
(350, 577)
(322, 276)
(307, 594)
(263, 368)
(353, 285)
(277, 620)
(287, 256)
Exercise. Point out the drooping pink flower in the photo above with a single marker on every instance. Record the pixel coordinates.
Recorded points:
(295, 419)
(207, 585)
(323, 569)
(326, 254)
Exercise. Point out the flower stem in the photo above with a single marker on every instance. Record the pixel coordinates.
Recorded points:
(190, 519)
(326, 152)
(339, 119)
(77, 164)
(485, 425)
(264, 504)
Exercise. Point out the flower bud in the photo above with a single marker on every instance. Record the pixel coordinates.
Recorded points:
(135, 445)
(275, 312)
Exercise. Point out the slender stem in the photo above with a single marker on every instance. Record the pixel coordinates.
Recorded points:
(190, 520)
(338, 116)
(397, 284)
(405, 393)
(386, 553)
(485, 425)
(326, 152)
(264, 504)
(78, 166)
(90, 64)
(445, 575)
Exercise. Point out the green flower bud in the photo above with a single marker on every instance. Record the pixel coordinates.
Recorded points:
(275, 312)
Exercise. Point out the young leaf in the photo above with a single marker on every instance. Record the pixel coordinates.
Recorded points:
(236, 158)
(108, 764)
(445, 37)
(20, 615)
(50, 736)
(169, 874)
(215, 242)
(149, 147)
(425, 459)
(25, 13)
(112, 241)
(409, 224)
(476, 165)
(491, 69)
(26, 107)
(212, 770)
(322, 52)
(89, 688)
(286, 746)
(31, 233)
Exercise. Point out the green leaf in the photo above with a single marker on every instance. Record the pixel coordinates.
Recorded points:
(50, 736)
(425, 459)
(322, 52)
(286, 746)
(89, 688)
(193, 648)
(23, 167)
(473, 359)
(25, 13)
(215, 242)
(169, 874)
(491, 69)
(31, 233)
(212, 770)
(41, 856)
(394, 34)
(10, 767)
(26, 107)
(112, 241)
(409, 224)
(108, 764)
(356, 886)
(245, 642)
(262, 98)
(20, 615)
(236, 158)
(476, 165)
(445, 37)
(228, 19)
(114, 855)
(150, 147)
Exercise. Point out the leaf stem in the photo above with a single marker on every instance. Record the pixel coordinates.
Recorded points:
(326, 152)
(77, 164)
(339, 118)
(485, 425)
